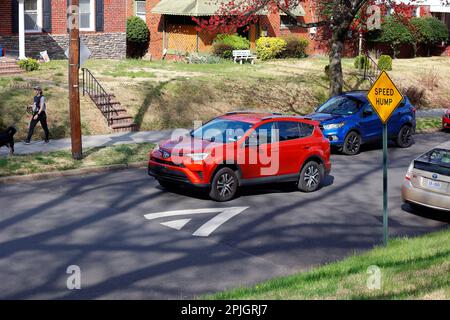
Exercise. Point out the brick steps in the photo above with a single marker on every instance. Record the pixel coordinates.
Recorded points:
(9, 67)
(106, 104)
(124, 127)
(115, 114)
(10, 72)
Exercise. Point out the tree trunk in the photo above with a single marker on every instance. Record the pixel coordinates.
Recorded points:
(394, 50)
(336, 49)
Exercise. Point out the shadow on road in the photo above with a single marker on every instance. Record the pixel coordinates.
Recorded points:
(292, 233)
(428, 213)
(269, 188)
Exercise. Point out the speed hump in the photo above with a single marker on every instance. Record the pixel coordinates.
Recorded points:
(384, 97)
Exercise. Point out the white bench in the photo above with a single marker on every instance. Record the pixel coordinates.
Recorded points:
(243, 55)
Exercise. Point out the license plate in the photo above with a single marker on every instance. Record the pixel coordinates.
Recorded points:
(434, 185)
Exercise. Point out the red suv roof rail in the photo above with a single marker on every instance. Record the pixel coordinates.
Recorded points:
(252, 111)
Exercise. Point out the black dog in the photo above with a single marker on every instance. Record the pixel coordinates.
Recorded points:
(7, 139)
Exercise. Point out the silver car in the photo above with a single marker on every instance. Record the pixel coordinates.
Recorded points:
(427, 182)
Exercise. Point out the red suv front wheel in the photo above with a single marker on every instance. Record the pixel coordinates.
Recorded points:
(224, 185)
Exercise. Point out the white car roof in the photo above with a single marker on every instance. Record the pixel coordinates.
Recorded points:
(445, 145)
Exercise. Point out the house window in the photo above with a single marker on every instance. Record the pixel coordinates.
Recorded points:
(287, 21)
(140, 9)
(87, 15)
(33, 15)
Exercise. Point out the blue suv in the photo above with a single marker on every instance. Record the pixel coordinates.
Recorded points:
(348, 121)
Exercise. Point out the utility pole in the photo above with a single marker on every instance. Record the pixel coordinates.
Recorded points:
(74, 80)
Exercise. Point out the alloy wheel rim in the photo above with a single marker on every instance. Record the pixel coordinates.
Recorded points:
(312, 177)
(352, 143)
(225, 185)
(406, 136)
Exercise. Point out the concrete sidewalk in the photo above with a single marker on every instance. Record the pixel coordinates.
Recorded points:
(430, 113)
(90, 141)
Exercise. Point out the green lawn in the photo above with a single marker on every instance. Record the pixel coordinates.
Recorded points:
(424, 125)
(165, 94)
(62, 160)
(416, 268)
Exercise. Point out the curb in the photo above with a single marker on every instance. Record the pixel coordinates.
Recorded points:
(70, 173)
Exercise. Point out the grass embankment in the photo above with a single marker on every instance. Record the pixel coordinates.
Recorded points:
(417, 268)
(164, 94)
(426, 125)
(62, 160)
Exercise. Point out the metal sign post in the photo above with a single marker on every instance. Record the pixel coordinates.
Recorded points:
(385, 98)
(385, 185)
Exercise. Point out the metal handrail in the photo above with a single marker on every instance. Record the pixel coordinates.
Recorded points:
(98, 94)
(371, 69)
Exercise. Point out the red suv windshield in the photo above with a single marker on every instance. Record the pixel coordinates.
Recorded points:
(222, 130)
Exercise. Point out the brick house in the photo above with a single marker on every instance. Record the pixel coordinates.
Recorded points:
(172, 29)
(30, 26)
(103, 26)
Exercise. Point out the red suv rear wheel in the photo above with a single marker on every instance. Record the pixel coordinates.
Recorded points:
(311, 177)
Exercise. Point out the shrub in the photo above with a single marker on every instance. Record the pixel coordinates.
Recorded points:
(235, 41)
(222, 50)
(29, 64)
(224, 44)
(422, 33)
(385, 63)
(137, 30)
(428, 31)
(439, 29)
(393, 32)
(295, 47)
(270, 47)
(361, 62)
(416, 95)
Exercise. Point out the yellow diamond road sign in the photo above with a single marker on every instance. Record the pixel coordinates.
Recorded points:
(384, 97)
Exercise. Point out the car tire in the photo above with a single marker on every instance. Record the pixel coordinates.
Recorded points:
(404, 138)
(311, 177)
(167, 184)
(352, 144)
(224, 185)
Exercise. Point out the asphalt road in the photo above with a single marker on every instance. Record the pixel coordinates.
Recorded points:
(97, 223)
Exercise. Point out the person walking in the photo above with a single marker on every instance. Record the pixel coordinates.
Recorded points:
(38, 115)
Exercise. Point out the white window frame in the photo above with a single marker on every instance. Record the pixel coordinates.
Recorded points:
(136, 11)
(39, 18)
(91, 18)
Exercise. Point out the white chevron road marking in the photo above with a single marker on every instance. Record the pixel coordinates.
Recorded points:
(224, 214)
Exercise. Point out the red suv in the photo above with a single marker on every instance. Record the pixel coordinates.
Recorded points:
(244, 148)
(446, 120)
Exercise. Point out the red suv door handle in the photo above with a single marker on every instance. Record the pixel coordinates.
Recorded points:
(306, 147)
